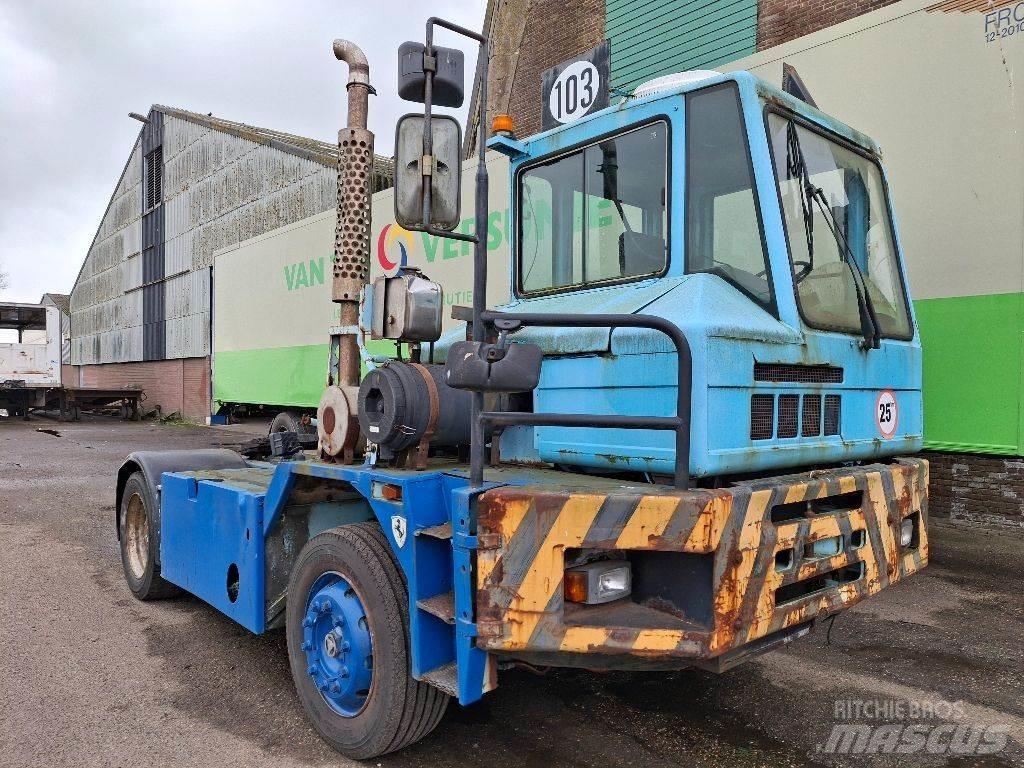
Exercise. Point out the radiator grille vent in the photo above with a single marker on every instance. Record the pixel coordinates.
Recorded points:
(805, 416)
(798, 374)
(789, 407)
(810, 419)
(762, 417)
(832, 424)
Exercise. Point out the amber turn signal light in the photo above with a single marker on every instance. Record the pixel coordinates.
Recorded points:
(597, 582)
(575, 586)
(503, 124)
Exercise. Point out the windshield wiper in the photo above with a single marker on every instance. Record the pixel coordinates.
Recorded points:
(796, 167)
(869, 325)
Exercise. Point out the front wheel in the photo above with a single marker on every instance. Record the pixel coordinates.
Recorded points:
(348, 627)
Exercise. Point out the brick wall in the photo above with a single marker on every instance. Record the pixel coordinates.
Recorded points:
(529, 36)
(181, 386)
(976, 488)
(69, 375)
(554, 31)
(781, 20)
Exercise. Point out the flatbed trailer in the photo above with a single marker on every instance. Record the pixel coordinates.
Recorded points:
(20, 399)
(70, 400)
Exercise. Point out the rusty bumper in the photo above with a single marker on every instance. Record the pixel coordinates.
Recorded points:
(716, 572)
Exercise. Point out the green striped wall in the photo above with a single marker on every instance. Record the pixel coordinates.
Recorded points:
(650, 38)
(292, 376)
(972, 372)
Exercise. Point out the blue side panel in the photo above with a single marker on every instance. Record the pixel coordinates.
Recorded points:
(427, 563)
(206, 529)
(215, 529)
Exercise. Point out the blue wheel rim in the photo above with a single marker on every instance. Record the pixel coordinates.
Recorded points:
(338, 645)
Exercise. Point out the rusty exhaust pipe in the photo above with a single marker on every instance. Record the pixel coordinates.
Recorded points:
(352, 232)
(358, 81)
(337, 418)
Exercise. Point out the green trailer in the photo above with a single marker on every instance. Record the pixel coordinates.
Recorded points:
(272, 298)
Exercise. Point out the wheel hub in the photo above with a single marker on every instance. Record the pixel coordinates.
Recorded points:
(338, 645)
(331, 645)
(136, 534)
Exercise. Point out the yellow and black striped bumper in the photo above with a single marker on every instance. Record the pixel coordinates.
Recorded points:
(749, 548)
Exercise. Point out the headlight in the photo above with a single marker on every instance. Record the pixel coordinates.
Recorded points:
(599, 582)
(906, 532)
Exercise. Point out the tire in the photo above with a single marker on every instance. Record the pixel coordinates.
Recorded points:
(137, 536)
(289, 421)
(396, 710)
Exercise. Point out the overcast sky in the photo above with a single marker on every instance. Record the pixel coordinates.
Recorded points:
(70, 72)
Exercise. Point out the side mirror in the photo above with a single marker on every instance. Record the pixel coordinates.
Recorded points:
(484, 367)
(449, 64)
(446, 174)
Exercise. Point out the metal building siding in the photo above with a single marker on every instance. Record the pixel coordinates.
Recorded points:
(154, 323)
(144, 291)
(188, 333)
(188, 294)
(651, 38)
(223, 189)
(132, 273)
(101, 314)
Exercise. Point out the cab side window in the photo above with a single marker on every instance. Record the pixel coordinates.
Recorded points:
(723, 229)
(595, 215)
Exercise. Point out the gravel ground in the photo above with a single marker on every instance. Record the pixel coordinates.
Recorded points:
(91, 677)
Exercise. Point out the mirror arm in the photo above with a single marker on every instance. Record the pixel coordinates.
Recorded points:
(479, 238)
(435, 21)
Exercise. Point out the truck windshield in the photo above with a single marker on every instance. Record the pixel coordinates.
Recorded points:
(595, 215)
(835, 207)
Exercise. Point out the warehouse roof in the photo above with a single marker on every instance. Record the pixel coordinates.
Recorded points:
(60, 300)
(323, 152)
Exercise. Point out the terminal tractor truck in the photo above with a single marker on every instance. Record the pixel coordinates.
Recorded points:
(686, 439)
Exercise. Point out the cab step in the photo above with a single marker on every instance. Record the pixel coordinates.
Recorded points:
(442, 606)
(445, 678)
(437, 532)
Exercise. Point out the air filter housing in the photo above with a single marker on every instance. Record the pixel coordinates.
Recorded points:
(404, 406)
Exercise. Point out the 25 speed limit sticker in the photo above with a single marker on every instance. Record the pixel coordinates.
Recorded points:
(887, 413)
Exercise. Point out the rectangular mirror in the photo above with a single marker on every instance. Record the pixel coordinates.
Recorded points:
(446, 175)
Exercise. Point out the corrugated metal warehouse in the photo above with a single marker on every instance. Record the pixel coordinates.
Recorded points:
(141, 305)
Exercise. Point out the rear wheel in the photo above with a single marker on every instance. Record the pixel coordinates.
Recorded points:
(138, 537)
(348, 626)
